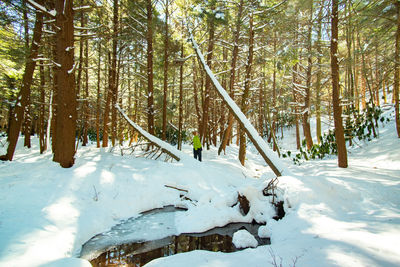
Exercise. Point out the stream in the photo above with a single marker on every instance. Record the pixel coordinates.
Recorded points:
(138, 240)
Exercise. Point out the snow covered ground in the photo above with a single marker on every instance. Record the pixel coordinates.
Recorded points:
(334, 217)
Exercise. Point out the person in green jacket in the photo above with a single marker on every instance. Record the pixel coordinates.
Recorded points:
(196, 146)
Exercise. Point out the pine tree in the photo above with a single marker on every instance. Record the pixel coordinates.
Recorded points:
(337, 110)
(66, 111)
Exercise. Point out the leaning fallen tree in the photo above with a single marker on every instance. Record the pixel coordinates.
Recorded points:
(268, 155)
(162, 146)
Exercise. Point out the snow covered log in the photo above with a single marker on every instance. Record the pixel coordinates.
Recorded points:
(164, 146)
(268, 155)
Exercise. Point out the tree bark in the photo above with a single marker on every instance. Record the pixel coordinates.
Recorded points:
(306, 111)
(114, 79)
(196, 99)
(85, 108)
(296, 116)
(180, 100)
(245, 96)
(274, 110)
(42, 141)
(396, 71)
(27, 124)
(211, 40)
(337, 110)
(78, 80)
(166, 44)
(98, 98)
(107, 94)
(66, 95)
(295, 95)
(49, 120)
(23, 95)
(319, 76)
(150, 75)
(235, 53)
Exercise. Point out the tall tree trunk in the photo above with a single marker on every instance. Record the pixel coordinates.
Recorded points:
(180, 100)
(211, 40)
(235, 53)
(337, 110)
(274, 116)
(23, 95)
(78, 80)
(53, 97)
(296, 112)
(98, 98)
(306, 111)
(42, 141)
(221, 107)
(365, 74)
(349, 65)
(86, 101)
(377, 78)
(85, 108)
(349, 68)
(356, 74)
(196, 99)
(295, 81)
(49, 120)
(245, 96)
(108, 94)
(150, 75)
(26, 25)
(396, 71)
(166, 39)
(319, 74)
(261, 107)
(114, 79)
(363, 92)
(66, 96)
(27, 124)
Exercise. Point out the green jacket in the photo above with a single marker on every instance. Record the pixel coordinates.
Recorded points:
(196, 142)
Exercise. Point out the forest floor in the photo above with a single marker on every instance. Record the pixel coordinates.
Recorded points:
(334, 216)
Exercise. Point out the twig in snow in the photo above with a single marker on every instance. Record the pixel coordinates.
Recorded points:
(96, 195)
(173, 187)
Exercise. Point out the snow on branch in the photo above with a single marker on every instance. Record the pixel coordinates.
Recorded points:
(268, 155)
(49, 32)
(164, 146)
(52, 13)
(82, 8)
(41, 59)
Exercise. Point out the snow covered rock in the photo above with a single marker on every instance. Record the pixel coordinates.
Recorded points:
(264, 232)
(243, 239)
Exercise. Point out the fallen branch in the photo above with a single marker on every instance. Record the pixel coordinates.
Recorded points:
(161, 145)
(173, 187)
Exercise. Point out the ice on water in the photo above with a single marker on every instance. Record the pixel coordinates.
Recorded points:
(152, 225)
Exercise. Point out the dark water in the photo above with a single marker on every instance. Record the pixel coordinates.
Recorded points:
(138, 254)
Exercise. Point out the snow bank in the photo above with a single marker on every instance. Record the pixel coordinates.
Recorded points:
(334, 216)
(243, 239)
(48, 212)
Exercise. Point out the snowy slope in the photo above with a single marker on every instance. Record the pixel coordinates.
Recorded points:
(337, 217)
